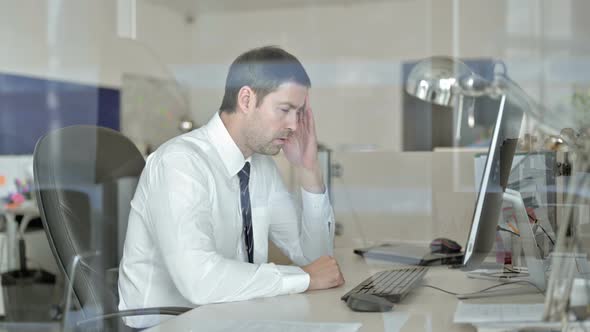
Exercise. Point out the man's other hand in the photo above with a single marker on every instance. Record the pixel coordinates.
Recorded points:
(324, 273)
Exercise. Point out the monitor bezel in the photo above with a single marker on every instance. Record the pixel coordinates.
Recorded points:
(488, 206)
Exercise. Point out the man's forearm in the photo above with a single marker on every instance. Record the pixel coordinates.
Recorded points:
(317, 225)
(312, 180)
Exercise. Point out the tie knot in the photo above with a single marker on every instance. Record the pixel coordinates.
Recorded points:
(244, 173)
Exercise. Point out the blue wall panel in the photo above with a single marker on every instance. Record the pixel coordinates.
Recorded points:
(31, 107)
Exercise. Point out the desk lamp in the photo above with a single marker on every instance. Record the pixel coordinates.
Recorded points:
(436, 80)
(444, 80)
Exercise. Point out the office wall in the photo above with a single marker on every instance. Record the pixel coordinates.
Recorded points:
(31, 107)
(68, 42)
(77, 41)
(354, 51)
(354, 62)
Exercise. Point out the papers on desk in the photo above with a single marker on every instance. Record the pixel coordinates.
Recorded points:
(409, 254)
(272, 326)
(481, 314)
(510, 317)
(394, 321)
(403, 253)
(290, 313)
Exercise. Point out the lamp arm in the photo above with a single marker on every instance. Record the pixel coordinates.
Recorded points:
(504, 85)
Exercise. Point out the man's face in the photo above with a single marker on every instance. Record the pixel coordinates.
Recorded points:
(276, 118)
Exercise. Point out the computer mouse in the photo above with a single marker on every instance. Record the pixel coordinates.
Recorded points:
(443, 245)
(368, 303)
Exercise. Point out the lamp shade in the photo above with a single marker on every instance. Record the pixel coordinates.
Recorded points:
(436, 80)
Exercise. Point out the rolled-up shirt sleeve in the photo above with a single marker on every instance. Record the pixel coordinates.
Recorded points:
(302, 238)
(295, 280)
(180, 209)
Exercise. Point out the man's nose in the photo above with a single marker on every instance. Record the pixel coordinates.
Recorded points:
(292, 121)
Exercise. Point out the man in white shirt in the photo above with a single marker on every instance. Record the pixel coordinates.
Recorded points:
(208, 201)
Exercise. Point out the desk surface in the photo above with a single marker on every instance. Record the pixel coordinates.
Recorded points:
(424, 309)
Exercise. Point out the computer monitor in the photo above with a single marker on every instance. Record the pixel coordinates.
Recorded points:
(488, 205)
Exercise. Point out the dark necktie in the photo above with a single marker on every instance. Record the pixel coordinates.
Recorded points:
(244, 176)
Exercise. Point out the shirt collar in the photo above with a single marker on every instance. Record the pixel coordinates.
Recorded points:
(228, 150)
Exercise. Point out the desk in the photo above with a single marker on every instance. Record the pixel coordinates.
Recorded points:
(29, 211)
(424, 309)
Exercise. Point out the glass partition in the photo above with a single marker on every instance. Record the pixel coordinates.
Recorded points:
(397, 168)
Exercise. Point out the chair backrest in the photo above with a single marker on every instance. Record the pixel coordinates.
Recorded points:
(85, 177)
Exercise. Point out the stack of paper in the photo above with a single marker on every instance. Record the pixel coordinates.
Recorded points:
(477, 314)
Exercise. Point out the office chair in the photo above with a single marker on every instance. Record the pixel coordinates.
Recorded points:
(85, 177)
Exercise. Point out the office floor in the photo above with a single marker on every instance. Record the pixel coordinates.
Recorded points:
(30, 303)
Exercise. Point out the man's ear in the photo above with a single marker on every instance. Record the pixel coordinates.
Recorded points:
(246, 99)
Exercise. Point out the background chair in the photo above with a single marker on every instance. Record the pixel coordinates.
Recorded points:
(85, 177)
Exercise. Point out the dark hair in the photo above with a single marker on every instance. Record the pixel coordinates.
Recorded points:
(263, 69)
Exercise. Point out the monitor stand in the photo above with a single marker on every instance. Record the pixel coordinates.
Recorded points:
(534, 263)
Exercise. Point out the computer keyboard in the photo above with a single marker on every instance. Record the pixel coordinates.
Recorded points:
(393, 285)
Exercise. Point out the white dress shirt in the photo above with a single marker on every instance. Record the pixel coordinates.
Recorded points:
(184, 244)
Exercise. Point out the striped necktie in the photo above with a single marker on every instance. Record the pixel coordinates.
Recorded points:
(244, 176)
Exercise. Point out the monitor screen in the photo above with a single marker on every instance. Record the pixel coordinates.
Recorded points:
(488, 205)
